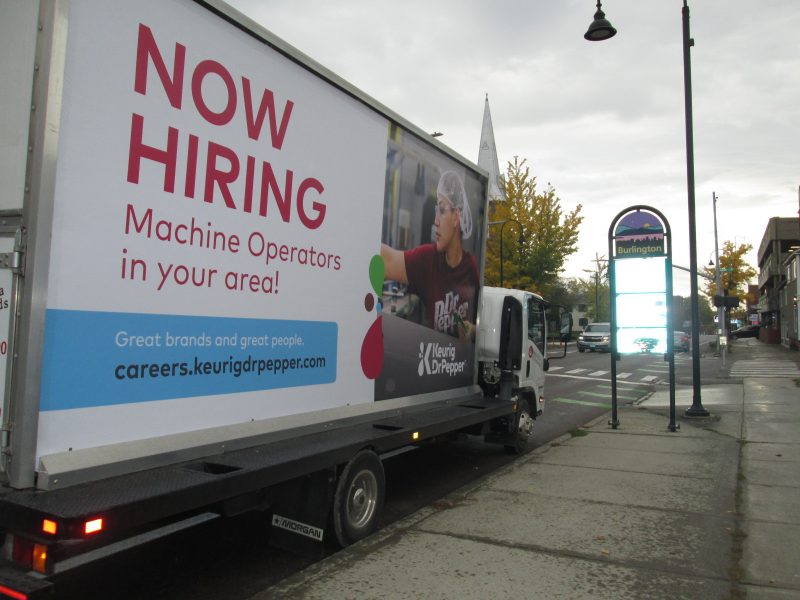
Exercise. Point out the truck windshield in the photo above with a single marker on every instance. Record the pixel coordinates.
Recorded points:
(598, 328)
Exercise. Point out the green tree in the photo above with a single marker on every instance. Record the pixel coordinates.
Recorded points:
(735, 274)
(533, 260)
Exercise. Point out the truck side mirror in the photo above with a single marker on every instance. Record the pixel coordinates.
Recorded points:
(511, 335)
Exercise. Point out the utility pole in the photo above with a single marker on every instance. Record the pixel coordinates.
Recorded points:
(721, 326)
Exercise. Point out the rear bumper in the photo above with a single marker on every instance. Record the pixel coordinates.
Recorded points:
(19, 585)
(604, 346)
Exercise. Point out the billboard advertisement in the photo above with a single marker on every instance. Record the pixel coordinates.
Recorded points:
(432, 236)
(219, 210)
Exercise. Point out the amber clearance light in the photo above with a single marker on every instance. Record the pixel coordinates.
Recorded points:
(49, 526)
(93, 526)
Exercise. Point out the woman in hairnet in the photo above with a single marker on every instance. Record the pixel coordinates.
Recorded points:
(443, 274)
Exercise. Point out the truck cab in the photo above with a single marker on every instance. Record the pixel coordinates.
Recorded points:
(530, 365)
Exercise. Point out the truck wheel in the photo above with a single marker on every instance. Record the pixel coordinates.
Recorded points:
(581, 349)
(524, 429)
(358, 501)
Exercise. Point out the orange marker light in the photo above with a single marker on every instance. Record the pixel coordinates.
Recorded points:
(93, 526)
(40, 558)
(49, 526)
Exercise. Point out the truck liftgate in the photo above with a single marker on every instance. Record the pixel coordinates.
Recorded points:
(51, 532)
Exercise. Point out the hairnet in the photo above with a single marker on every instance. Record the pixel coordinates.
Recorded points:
(451, 187)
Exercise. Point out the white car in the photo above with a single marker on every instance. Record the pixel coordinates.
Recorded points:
(596, 336)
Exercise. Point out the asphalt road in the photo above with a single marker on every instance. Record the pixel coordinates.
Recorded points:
(232, 558)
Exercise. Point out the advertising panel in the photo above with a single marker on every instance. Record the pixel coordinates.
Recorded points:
(218, 210)
(432, 238)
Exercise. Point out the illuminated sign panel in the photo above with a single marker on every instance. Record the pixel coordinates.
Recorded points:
(640, 282)
(641, 305)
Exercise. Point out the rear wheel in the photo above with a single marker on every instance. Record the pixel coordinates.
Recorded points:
(581, 349)
(524, 429)
(359, 497)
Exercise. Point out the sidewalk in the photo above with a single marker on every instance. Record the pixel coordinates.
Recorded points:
(710, 511)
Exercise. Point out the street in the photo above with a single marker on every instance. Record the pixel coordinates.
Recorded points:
(232, 558)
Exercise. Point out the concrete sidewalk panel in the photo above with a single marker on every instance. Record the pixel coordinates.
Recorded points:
(770, 554)
(711, 395)
(772, 391)
(769, 472)
(676, 541)
(765, 593)
(771, 452)
(637, 461)
(432, 566)
(771, 427)
(667, 443)
(646, 490)
(777, 503)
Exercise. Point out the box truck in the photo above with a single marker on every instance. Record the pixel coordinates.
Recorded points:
(229, 281)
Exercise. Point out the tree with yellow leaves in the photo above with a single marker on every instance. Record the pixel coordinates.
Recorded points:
(535, 255)
(735, 274)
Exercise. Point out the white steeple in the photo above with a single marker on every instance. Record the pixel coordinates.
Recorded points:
(487, 154)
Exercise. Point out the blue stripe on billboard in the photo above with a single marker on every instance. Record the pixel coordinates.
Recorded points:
(104, 358)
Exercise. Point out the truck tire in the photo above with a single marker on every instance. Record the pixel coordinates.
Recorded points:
(358, 501)
(524, 429)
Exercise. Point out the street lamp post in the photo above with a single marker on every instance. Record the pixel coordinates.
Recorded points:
(599, 30)
(520, 241)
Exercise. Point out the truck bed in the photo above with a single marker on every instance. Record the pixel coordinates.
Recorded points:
(131, 501)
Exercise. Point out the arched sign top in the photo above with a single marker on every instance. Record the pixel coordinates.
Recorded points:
(640, 232)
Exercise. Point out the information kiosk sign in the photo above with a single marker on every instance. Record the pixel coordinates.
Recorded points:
(640, 270)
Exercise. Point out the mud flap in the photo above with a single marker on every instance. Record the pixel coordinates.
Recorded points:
(300, 514)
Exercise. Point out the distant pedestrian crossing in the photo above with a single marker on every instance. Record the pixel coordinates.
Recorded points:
(764, 368)
(592, 374)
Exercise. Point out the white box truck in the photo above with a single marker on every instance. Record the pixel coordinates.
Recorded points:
(229, 281)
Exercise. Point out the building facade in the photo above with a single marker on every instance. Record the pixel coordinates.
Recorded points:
(777, 264)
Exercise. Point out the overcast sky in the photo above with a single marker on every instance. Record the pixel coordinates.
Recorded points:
(603, 122)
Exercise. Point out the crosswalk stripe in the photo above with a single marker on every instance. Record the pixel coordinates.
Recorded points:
(576, 371)
(649, 378)
(598, 373)
(623, 375)
(553, 368)
(764, 368)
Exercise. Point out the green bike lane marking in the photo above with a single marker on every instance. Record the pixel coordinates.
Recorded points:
(608, 395)
(582, 402)
(604, 395)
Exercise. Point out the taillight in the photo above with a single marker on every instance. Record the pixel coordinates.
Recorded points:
(9, 593)
(22, 552)
(29, 555)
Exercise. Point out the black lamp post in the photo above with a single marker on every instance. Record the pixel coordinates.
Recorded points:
(599, 30)
(520, 241)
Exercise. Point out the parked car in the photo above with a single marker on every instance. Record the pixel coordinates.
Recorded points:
(746, 332)
(596, 336)
(680, 341)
